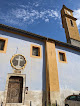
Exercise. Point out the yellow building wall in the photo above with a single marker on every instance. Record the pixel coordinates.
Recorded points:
(52, 70)
(73, 31)
(52, 81)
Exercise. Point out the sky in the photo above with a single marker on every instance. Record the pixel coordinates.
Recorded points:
(38, 16)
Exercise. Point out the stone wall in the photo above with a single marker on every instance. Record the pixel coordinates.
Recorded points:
(75, 42)
(1, 97)
(35, 98)
(32, 98)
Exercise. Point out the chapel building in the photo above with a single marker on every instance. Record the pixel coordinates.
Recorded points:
(36, 70)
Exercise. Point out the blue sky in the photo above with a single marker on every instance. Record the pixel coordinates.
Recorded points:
(38, 16)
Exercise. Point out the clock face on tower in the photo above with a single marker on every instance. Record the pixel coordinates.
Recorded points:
(69, 12)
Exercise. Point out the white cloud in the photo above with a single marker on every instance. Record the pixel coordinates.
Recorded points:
(36, 4)
(23, 6)
(8, 18)
(28, 16)
(77, 15)
(46, 20)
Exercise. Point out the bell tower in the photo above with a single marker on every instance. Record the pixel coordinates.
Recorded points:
(69, 24)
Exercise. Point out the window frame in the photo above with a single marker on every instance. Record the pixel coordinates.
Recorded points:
(36, 46)
(65, 59)
(77, 98)
(5, 45)
(71, 99)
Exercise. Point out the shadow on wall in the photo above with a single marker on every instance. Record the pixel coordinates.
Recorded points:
(1, 98)
(69, 50)
(44, 81)
(20, 37)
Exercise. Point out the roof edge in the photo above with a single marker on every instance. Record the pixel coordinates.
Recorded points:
(2, 26)
(21, 31)
(67, 8)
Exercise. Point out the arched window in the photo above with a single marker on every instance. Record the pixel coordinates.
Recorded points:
(71, 23)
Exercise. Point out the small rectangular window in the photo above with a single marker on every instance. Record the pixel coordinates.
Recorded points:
(62, 56)
(35, 51)
(3, 44)
(71, 23)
